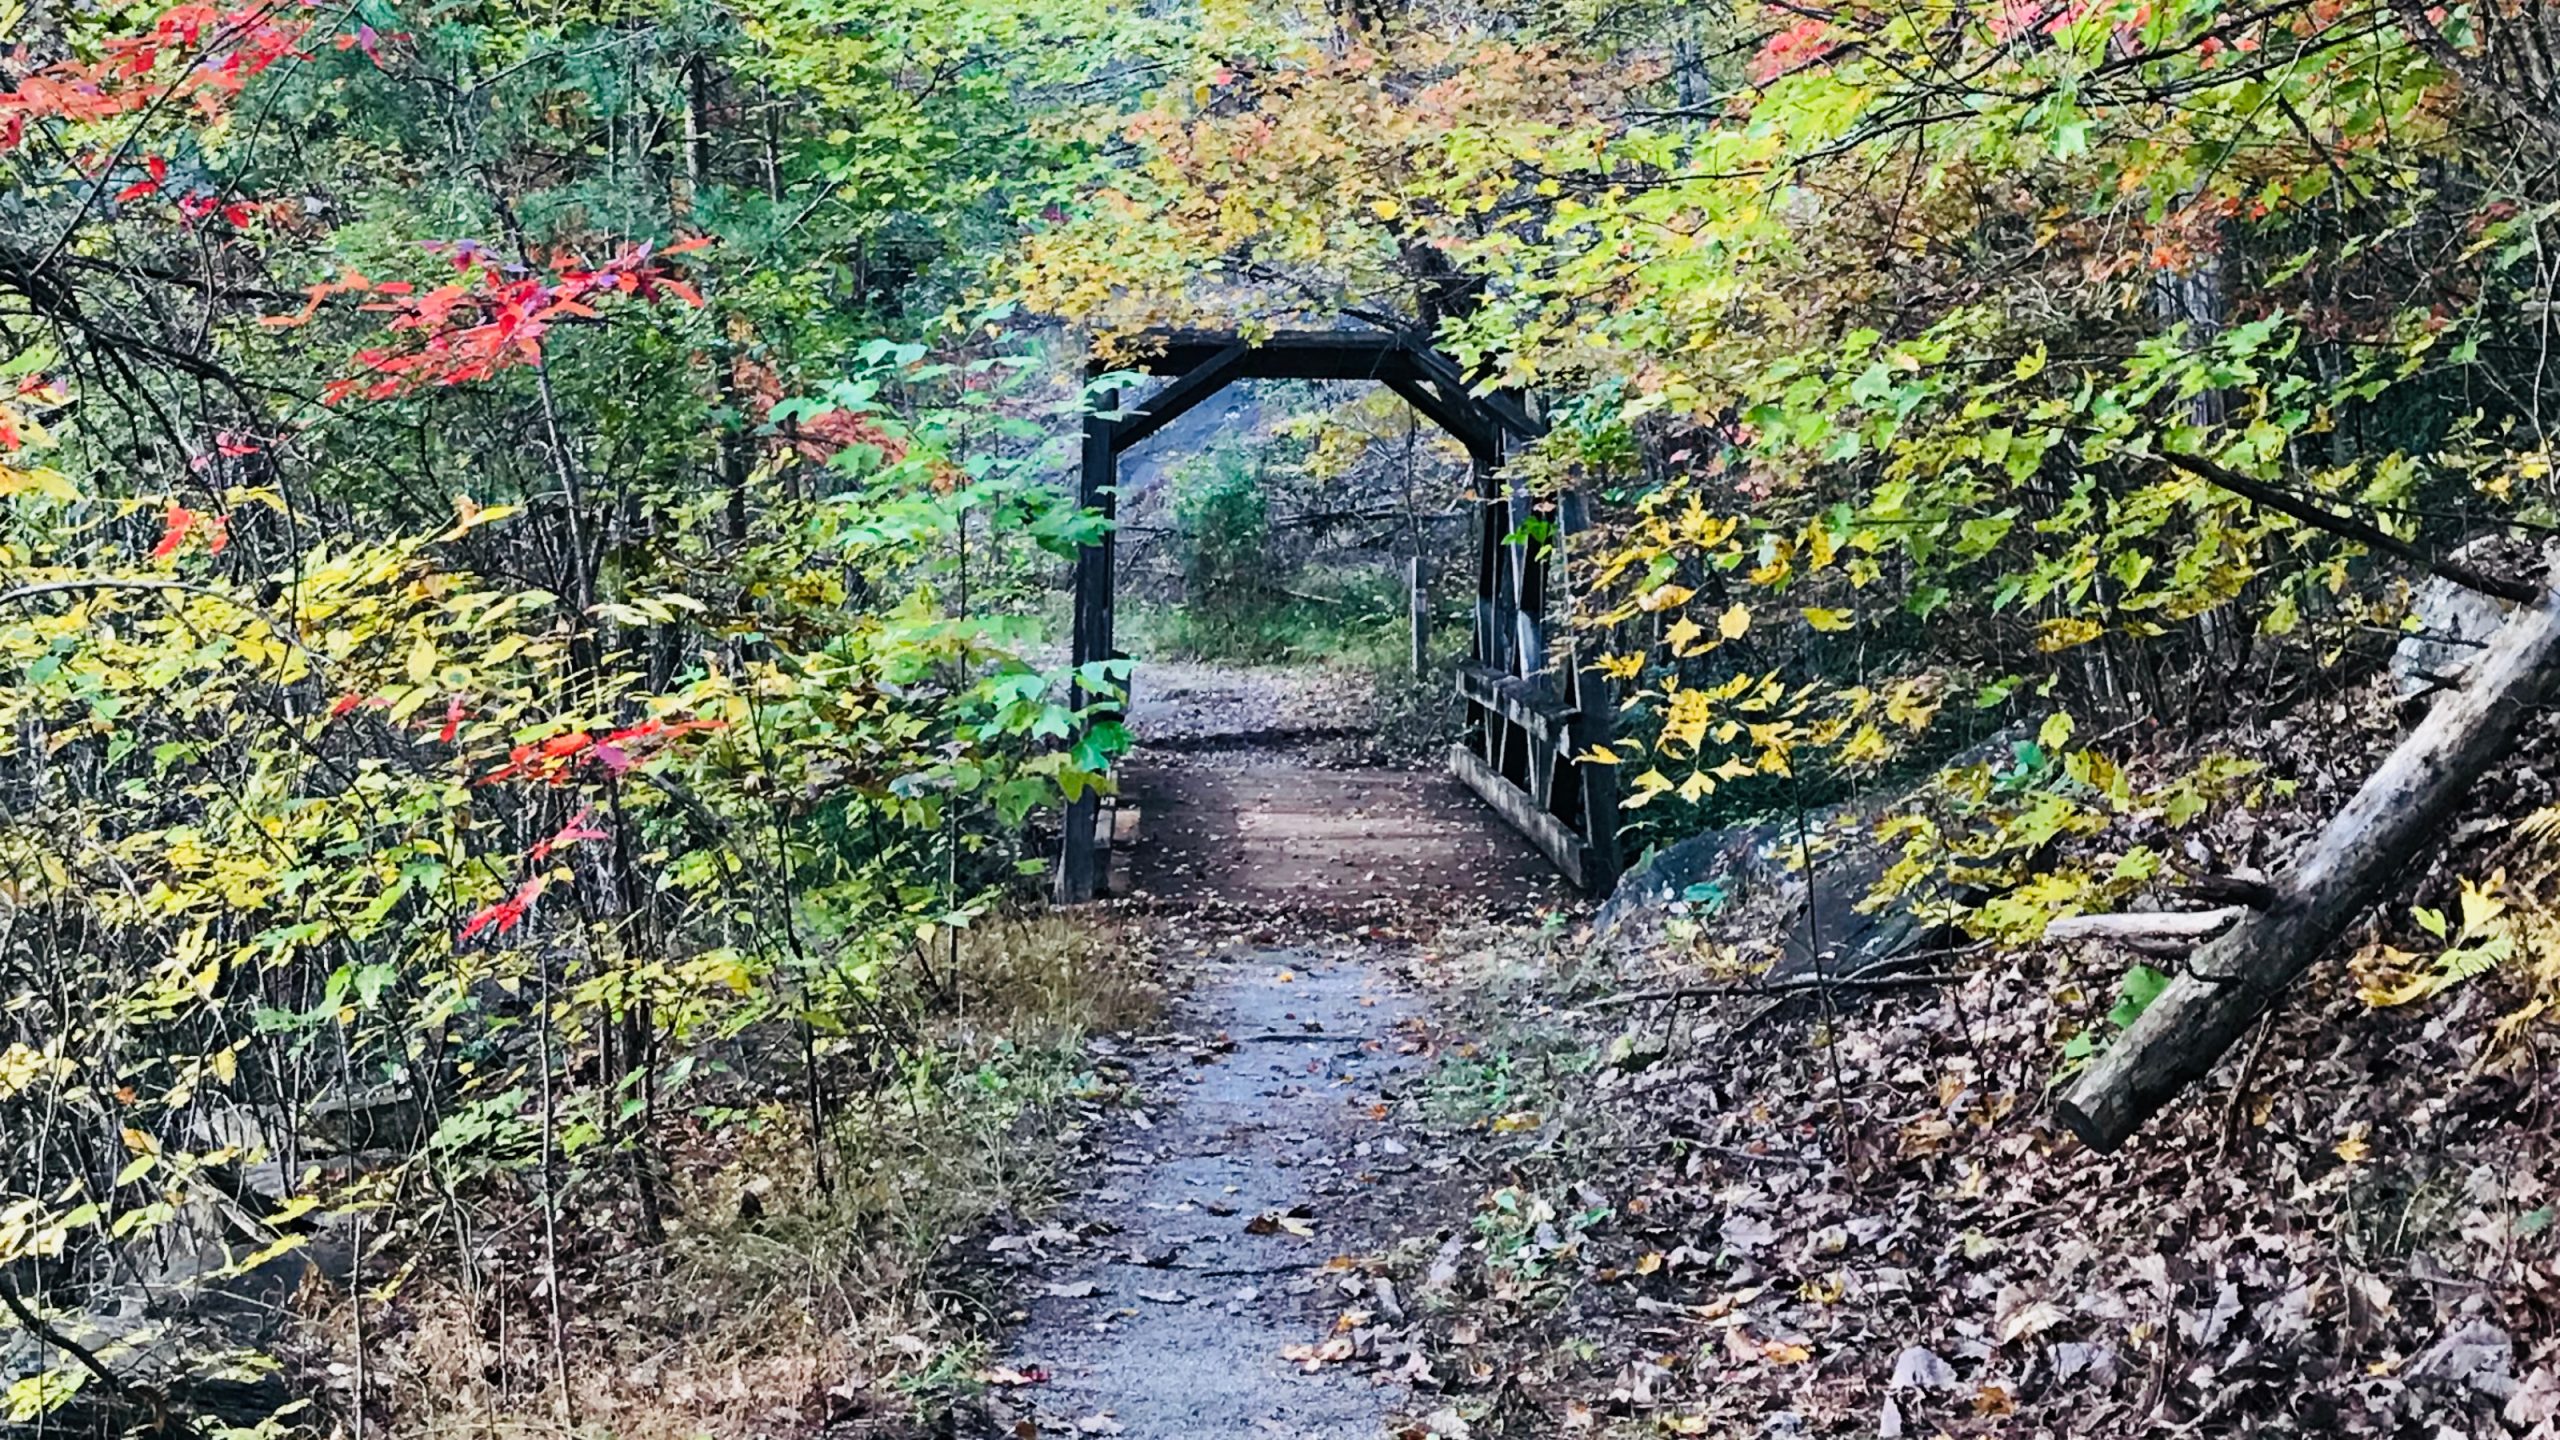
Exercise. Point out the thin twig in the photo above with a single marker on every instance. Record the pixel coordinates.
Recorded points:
(2258, 492)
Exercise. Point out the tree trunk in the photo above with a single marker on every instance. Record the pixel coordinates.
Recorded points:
(2231, 981)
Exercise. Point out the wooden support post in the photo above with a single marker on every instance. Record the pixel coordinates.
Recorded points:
(1492, 640)
(1528, 587)
(1090, 639)
(2231, 980)
(1418, 607)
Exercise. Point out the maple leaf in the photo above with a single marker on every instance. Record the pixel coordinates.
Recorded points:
(158, 168)
(1792, 49)
(506, 914)
(173, 532)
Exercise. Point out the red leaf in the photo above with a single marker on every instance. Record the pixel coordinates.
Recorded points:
(570, 834)
(506, 914)
(452, 721)
(174, 532)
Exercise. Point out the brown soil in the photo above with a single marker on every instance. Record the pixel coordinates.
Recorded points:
(1244, 792)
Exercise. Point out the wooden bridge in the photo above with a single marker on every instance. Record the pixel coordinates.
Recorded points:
(1531, 706)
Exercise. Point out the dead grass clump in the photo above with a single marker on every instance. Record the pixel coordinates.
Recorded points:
(787, 1296)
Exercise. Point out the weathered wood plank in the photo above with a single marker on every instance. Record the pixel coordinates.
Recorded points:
(1523, 702)
(1482, 439)
(1545, 831)
(1350, 354)
(1178, 398)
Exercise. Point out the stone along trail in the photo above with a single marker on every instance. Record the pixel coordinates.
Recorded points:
(1194, 1292)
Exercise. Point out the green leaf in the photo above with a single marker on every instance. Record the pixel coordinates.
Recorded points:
(2142, 985)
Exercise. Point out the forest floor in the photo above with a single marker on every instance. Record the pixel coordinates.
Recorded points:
(1413, 1164)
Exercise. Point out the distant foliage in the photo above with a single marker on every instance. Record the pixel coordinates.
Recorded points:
(1934, 370)
(1225, 533)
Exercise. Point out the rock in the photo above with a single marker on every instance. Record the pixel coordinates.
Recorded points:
(1827, 930)
(200, 1375)
(385, 1117)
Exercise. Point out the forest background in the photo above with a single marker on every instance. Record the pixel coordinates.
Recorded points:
(526, 532)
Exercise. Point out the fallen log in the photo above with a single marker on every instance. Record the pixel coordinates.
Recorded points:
(2231, 980)
(2245, 888)
(2153, 932)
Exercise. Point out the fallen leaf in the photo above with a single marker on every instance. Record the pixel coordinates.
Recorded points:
(1280, 1222)
(1921, 1368)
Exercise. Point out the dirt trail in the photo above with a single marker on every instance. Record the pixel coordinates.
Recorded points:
(1189, 1295)
(1256, 788)
(1179, 1282)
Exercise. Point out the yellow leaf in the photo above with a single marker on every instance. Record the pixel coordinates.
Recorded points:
(2062, 634)
(2481, 906)
(51, 484)
(1385, 209)
(1682, 637)
(20, 1067)
(2055, 732)
(1828, 620)
(1597, 755)
(1912, 704)
(422, 660)
(1516, 1122)
(1818, 545)
(1733, 622)
(1697, 787)
(2353, 1149)
(1648, 785)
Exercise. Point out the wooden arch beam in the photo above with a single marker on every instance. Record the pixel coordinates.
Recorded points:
(1178, 398)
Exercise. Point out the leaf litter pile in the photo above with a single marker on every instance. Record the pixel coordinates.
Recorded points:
(1704, 1210)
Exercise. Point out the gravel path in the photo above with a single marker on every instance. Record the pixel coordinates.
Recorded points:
(1209, 1285)
(1175, 1295)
